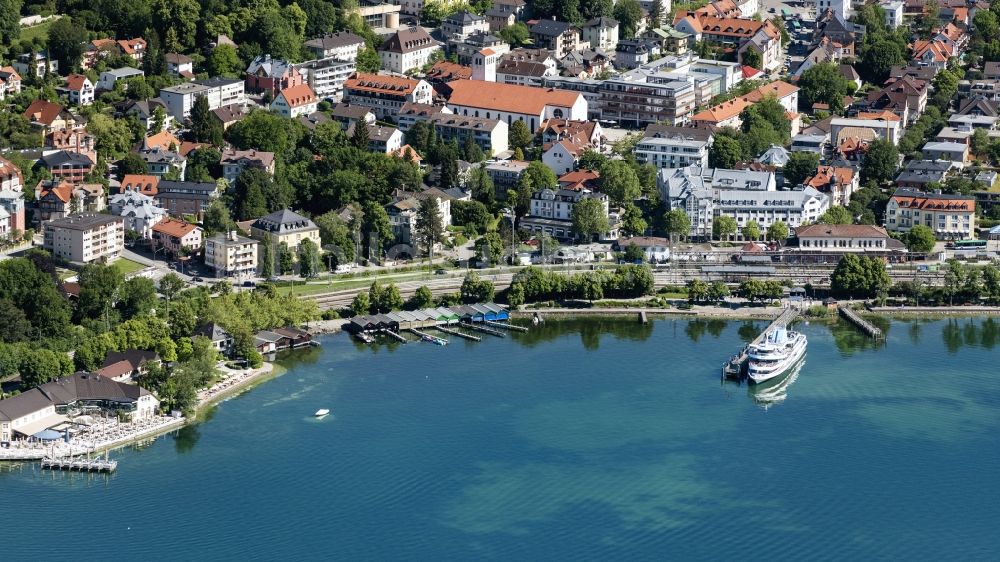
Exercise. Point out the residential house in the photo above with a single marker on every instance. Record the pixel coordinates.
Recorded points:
(92, 197)
(839, 183)
(11, 177)
(491, 135)
(145, 112)
(445, 71)
(285, 227)
(54, 200)
(727, 114)
(404, 209)
(342, 45)
(142, 183)
(893, 12)
(36, 64)
(385, 95)
(47, 115)
(673, 147)
(69, 166)
(231, 255)
(134, 49)
(235, 161)
(919, 174)
(163, 162)
(557, 36)
(631, 54)
(564, 155)
(228, 115)
(507, 102)
(586, 63)
(554, 130)
(177, 237)
(463, 24)
(932, 53)
(347, 114)
(78, 89)
(670, 40)
(267, 75)
(295, 101)
(179, 65)
(126, 366)
(839, 7)
(522, 72)
(504, 13)
(183, 198)
(408, 49)
(86, 238)
(955, 152)
(601, 33)
(951, 217)
(12, 203)
(107, 80)
(221, 340)
(384, 139)
(139, 212)
(98, 49)
(476, 43)
(10, 82)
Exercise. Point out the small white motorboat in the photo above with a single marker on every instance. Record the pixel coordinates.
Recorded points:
(322, 413)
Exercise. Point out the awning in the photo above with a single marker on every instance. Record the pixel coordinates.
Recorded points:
(48, 435)
(36, 426)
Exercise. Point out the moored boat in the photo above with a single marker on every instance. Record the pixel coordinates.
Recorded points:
(776, 355)
(322, 413)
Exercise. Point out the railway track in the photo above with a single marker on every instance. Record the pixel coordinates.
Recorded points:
(818, 276)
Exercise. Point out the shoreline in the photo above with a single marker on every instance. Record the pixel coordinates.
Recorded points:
(746, 313)
(227, 388)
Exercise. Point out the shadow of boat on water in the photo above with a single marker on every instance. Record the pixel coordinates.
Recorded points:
(775, 391)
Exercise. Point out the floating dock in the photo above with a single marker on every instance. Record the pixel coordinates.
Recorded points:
(735, 367)
(80, 465)
(505, 326)
(458, 334)
(484, 329)
(429, 338)
(864, 325)
(395, 336)
(365, 337)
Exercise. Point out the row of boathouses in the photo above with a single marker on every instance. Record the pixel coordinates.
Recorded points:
(428, 317)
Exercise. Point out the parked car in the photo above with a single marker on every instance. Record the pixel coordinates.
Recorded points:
(249, 284)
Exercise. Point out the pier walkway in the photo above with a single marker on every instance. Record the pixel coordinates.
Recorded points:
(458, 334)
(80, 465)
(505, 326)
(734, 367)
(864, 325)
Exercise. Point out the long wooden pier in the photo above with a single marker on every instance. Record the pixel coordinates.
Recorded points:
(429, 338)
(864, 325)
(734, 367)
(484, 329)
(80, 465)
(456, 333)
(506, 326)
(392, 334)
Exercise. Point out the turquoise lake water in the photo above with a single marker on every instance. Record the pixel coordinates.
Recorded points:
(583, 440)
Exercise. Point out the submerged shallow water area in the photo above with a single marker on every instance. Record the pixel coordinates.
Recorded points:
(582, 439)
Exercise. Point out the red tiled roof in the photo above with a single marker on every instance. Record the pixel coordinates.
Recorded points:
(381, 84)
(298, 95)
(173, 227)
(44, 112)
(75, 82)
(510, 98)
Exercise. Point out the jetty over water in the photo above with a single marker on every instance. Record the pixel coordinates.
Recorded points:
(487, 318)
(862, 324)
(735, 366)
(80, 465)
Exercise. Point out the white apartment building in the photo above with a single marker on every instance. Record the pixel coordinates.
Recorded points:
(86, 238)
(841, 7)
(744, 195)
(231, 255)
(893, 13)
(674, 147)
(327, 76)
(551, 212)
(463, 24)
(951, 217)
(219, 91)
(883, 129)
(407, 49)
(601, 33)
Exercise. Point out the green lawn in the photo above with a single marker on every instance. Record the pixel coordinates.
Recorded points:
(127, 266)
(40, 31)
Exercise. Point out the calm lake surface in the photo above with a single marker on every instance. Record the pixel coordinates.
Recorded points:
(582, 440)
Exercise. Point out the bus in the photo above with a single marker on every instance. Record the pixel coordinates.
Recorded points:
(969, 245)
